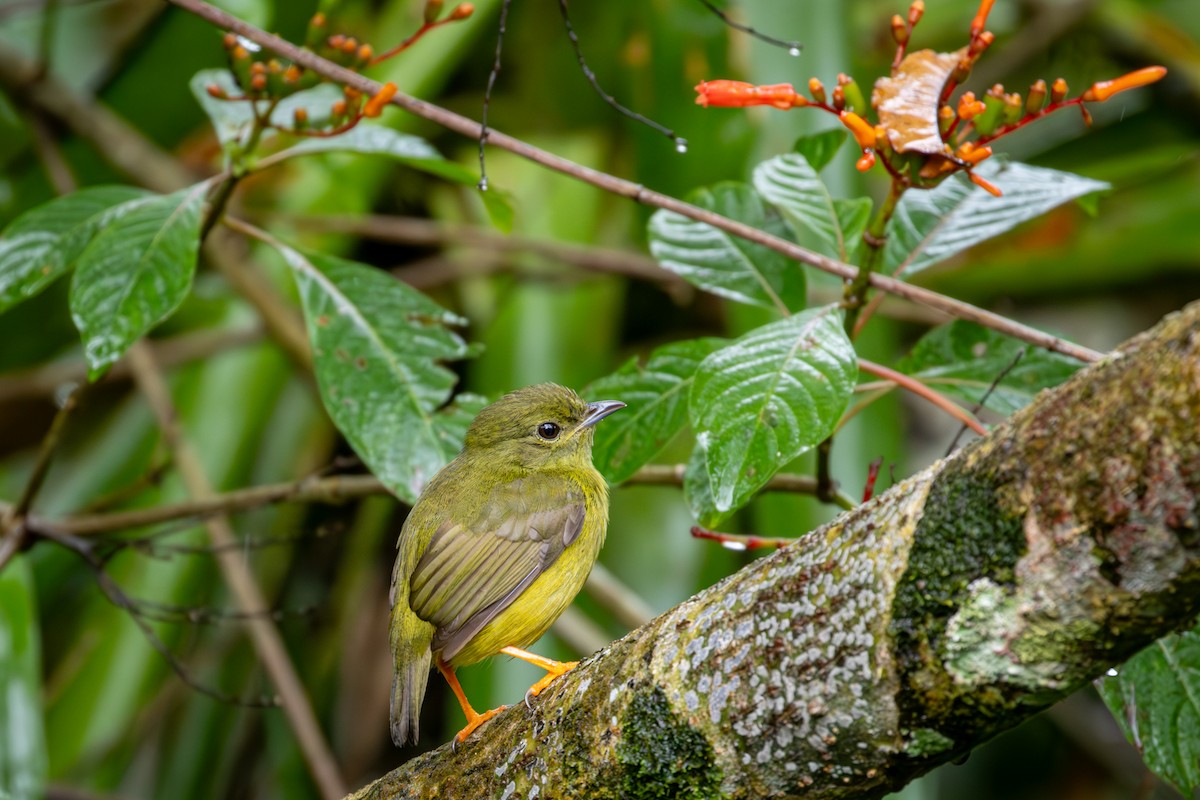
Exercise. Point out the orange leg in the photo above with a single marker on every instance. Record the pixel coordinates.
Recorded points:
(474, 720)
(553, 668)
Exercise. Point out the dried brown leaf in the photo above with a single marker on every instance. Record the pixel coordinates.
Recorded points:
(907, 102)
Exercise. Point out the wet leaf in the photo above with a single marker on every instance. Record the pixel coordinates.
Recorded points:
(725, 264)
(379, 349)
(932, 225)
(1156, 699)
(656, 395)
(43, 243)
(831, 227)
(771, 395)
(134, 272)
(966, 361)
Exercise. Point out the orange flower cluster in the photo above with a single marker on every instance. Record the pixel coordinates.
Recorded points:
(920, 137)
(261, 76)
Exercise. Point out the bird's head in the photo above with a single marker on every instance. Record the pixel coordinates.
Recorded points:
(539, 426)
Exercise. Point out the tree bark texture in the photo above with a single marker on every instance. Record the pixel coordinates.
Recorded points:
(902, 634)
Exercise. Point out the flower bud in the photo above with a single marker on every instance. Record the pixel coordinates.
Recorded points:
(816, 89)
(969, 107)
(915, 12)
(980, 21)
(946, 118)
(862, 131)
(1036, 97)
(739, 94)
(1058, 91)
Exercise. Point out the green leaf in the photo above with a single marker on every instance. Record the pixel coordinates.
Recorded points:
(22, 739)
(931, 226)
(499, 207)
(1156, 700)
(254, 12)
(657, 397)
(379, 348)
(853, 216)
(964, 360)
(41, 245)
(724, 264)
(135, 272)
(768, 397)
(370, 139)
(697, 491)
(820, 148)
(791, 184)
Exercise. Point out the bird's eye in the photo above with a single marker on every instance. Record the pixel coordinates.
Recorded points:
(548, 431)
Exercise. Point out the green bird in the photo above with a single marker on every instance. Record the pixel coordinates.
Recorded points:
(497, 546)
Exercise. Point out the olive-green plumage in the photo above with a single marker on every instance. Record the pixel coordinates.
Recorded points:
(500, 541)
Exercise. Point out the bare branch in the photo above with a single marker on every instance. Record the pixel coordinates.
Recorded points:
(631, 190)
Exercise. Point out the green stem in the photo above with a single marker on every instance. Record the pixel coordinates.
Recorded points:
(237, 170)
(854, 297)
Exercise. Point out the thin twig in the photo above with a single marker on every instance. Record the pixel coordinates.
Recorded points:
(627, 605)
(330, 489)
(249, 597)
(921, 390)
(983, 400)
(631, 190)
(13, 520)
(115, 595)
(410, 230)
(45, 379)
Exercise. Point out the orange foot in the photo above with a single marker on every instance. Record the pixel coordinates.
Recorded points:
(474, 719)
(553, 669)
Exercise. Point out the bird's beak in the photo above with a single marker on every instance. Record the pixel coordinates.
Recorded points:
(599, 410)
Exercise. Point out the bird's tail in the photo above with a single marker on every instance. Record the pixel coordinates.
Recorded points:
(411, 637)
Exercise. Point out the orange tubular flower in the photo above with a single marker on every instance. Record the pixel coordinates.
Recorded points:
(921, 134)
(739, 94)
(375, 105)
(863, 131)
(1102, 90)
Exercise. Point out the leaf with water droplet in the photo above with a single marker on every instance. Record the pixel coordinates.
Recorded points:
(1156, 701)
(797, 373)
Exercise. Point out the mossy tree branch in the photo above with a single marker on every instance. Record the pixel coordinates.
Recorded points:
(901, 635)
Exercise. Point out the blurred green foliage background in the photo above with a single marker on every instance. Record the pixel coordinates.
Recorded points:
(118, 723)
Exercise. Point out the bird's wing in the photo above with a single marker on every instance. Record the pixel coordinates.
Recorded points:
(470, 572)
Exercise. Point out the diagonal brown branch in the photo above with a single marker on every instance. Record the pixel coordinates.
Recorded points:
(634, 191)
